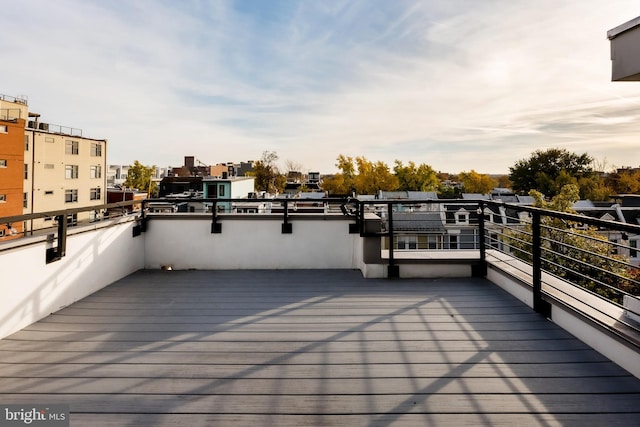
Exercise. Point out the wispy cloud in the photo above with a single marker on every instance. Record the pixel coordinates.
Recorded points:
(456, 84)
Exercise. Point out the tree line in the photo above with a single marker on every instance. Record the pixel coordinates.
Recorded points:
(546, 171)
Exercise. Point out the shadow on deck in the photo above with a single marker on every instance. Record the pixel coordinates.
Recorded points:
(310, 347)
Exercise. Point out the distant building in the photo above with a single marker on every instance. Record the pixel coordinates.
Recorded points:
(68, 170)
(59, 167)
(14, 171)
(228, 188)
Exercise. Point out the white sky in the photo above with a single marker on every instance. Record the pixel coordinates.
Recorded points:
(456, 84)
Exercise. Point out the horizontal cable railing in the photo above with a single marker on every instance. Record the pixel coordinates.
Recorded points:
(558, 251)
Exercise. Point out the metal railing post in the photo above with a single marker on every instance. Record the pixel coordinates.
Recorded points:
(287, 227)
(216, 227)
(539, 304)
(481, 271)
(393, 270)
(57, 252)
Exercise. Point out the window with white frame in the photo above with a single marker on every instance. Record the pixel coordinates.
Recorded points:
(26, 143)
(96, 171)
(3, 198)
(25, 200)
(95, 194)
(70, 196)
(26, 171)
(3, 128)
(462, 217)
(3, 163)
(71, 147)
(96, 149)
(71, 171)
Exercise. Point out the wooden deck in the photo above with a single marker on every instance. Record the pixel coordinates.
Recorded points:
(294, 348)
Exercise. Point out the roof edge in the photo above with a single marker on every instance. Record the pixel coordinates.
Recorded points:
(613, 33)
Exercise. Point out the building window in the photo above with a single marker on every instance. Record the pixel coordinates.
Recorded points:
(26, 171)
(95, 194)
(2, 232)
(25, 200)
(3, 163)
(72, 220)
(3, 128)
(96, 149)
(462, 217)
(71, 171)
(70, 196)
(71, 147)
(633, 244)
(96, 171)
(221, 191)
(26, 143)
(3, 198)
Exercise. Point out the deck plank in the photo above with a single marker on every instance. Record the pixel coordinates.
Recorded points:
(310, 348)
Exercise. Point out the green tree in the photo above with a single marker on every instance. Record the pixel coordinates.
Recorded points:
(549, 170)
(267, 176)
(416, 178)
(579, 255)
(140, 177)
(474, 182)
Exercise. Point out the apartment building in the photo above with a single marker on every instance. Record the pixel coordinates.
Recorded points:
(67, 171)
(13, 169)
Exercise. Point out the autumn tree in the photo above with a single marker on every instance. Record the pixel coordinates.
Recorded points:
(374, 177)
(140, 178)
(343, 182)
(267, 175)
(359, 176)
(547, 171)
(474, 182)
(624, 181)
(416, 178)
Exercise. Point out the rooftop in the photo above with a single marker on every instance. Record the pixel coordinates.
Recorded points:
(303, 347)
(245, 320)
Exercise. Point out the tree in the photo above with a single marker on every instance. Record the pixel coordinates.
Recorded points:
(624, 181)
(139, 177)
(549, 170)
(578, 254)
(416, 178)
(474, 182)
(374, 177)
(267, 176)
(343, 182)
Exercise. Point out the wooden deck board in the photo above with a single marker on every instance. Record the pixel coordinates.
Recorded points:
(310, 348)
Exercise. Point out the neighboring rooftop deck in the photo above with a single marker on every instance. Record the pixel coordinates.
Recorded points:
(310, 347)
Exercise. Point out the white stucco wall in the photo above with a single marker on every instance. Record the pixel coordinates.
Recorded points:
(252, 244)
(32, 289)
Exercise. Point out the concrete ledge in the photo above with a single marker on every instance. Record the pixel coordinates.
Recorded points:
(596, 322)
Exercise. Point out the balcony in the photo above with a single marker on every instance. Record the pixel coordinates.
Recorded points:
(356, 315)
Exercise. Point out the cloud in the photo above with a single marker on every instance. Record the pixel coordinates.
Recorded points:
(457, 84)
